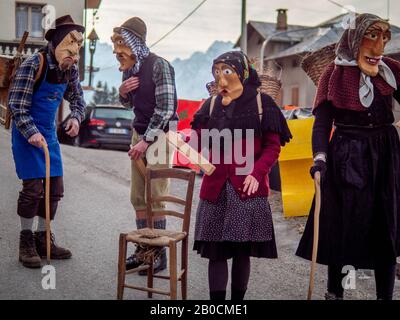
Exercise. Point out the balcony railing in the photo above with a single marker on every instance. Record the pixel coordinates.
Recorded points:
(9, 48)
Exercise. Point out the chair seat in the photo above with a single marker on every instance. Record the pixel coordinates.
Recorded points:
(155, 237)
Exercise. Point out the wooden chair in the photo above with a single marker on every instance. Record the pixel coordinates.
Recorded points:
(160, 238)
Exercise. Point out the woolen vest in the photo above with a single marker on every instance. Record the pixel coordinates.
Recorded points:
(144, 100)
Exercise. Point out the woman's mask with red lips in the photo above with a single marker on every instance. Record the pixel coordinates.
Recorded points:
(372, 48)
(67, 51)
(228, 83)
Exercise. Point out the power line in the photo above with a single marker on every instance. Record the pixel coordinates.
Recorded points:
(178, 25)
(341, 6)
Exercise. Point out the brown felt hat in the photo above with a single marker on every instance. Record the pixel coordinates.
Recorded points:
(136, 26)
(63, 22)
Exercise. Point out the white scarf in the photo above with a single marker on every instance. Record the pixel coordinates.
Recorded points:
(366, 91)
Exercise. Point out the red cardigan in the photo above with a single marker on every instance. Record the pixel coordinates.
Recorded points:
(266, 153)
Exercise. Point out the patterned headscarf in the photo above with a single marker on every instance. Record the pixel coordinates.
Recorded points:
(139, 49)
(240, 63)
(348, 47)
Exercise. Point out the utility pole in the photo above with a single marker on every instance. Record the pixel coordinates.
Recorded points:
(388, 10)
(243, 38)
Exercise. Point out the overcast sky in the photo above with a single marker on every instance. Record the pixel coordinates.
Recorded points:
(220, 19)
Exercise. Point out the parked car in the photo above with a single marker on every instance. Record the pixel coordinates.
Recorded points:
(103, 126)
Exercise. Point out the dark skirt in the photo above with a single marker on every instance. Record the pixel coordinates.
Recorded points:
(360, 212)
(234, 227)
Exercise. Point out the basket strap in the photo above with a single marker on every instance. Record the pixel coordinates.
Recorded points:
(259, 105)
(212, 104)
(41, 63)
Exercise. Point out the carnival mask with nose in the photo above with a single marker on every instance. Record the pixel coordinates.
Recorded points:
(67, 51)
(228, 83)
(372, 48)
(123, 52)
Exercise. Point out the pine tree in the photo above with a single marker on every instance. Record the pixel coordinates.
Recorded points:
(114, 96)
(103, 95)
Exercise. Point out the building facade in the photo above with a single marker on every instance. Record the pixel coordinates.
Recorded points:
(17, 16)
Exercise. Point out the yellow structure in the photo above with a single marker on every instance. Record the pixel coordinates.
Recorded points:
(295, 161)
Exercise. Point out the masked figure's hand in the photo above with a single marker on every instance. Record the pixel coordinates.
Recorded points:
(128, 85)
(138, 150)
(319, 166)
(72, 127)
(250, 185)
(37, 140)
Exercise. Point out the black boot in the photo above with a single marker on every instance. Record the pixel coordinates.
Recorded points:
(237, 295)
(56, 252)
(217, 295)
(332, 296)
(133, 262)
(160, 263)
(28, 255)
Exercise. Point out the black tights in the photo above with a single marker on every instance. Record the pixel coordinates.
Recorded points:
(384, 280)
(218, 276)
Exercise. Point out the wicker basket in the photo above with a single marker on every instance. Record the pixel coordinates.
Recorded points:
(6, 67)
(270, 85)
(314, 63)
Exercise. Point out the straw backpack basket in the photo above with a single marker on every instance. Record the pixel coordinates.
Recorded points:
(315, 63)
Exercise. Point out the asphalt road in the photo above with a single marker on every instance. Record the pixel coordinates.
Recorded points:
(96, 209)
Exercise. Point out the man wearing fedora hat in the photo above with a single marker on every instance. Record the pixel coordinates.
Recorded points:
(148, 86)
(40, 84)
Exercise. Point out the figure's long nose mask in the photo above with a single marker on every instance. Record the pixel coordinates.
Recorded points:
(67, 51)
(228, 82)
(372, 47)
(123, 52)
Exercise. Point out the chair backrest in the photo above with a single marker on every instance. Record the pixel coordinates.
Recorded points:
(187, 175)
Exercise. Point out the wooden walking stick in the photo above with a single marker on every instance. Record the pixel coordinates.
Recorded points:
(140, 166)
(317, 210)
(139, 163)
(47, 201)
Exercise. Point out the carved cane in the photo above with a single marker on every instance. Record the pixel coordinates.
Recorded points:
(317, 210)
(47, 201)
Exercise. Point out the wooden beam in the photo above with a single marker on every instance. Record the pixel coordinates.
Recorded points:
(157, 291)
(194, 157)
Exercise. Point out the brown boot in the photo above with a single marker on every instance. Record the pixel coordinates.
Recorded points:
(28, 255)
(56, 253)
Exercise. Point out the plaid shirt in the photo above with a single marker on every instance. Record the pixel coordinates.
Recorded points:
(21, 94)
(166, 99)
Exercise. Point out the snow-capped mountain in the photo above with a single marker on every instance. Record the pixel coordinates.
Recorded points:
(194, 73)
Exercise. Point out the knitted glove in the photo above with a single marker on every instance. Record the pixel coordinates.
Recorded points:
(319, 166)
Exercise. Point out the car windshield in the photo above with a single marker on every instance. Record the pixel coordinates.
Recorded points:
(113, 113)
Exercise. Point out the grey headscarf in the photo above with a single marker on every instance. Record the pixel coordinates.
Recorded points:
(348, 49)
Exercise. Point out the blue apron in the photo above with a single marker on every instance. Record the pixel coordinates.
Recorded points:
(29, 160)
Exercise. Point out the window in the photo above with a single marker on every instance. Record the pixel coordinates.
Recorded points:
(113, 113)
(28, 17)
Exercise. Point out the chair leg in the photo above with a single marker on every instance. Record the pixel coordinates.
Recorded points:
(121, 266)
(150, 274)
(172, 270)
(185, 267)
